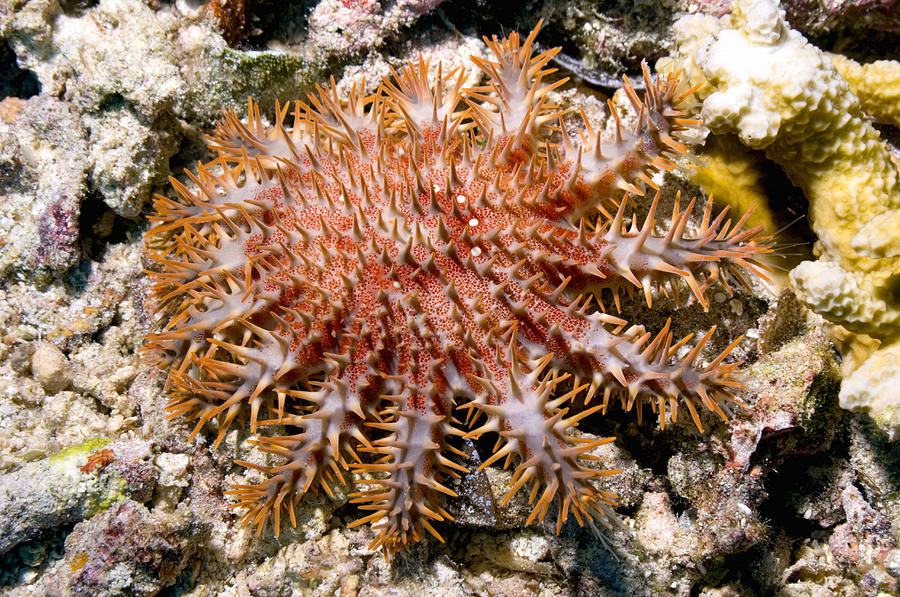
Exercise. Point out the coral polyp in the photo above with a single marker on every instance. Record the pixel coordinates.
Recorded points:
(431, 261)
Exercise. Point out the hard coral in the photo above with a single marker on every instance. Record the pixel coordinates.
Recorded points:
(781, 94)
(382, 267)
(876, 84)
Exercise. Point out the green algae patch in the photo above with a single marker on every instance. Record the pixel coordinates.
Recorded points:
(267, 76)
(76, 455)
(101, 486)
(231, 76)
(260, 70)
(73, 485)
(111, 490)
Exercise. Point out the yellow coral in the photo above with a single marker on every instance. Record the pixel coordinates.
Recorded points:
(877, 85)
(733, 174)
(779, 93)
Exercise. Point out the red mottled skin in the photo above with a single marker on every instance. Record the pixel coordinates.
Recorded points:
(380, 264)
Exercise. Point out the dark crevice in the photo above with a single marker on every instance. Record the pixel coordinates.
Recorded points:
(35, 556)
(789, 207)
(99, 227)
(860, 44)
(275, 20)
(15, 82)
(114, 101)
(740, 569)
(888, 132)
(482, 17)
(192, 149)
(75, 8)
(798, 478)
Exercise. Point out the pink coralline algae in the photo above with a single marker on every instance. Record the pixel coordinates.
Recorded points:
(385, 275)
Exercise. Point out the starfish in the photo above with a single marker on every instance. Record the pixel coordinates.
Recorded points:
(385, 274)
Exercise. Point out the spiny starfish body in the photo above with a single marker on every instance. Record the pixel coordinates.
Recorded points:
(381, 264)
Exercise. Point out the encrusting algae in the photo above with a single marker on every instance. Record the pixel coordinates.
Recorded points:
(427, 262)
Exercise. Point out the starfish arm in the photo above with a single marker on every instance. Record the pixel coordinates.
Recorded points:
(600, 171)
(529, 413)
(639, 258)
(630, 363)
(408, 498)
(315, 456)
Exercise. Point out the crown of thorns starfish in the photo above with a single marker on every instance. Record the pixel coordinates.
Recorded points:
(374, 267)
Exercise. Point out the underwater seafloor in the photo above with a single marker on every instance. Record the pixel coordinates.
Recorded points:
(101, 494)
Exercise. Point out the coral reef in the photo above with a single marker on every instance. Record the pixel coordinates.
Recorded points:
(792, 496)
(350, 26)
(610, 36)
(794, 386)
(782, 94)
(818, 17)
(382, 264)
(131, 110)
